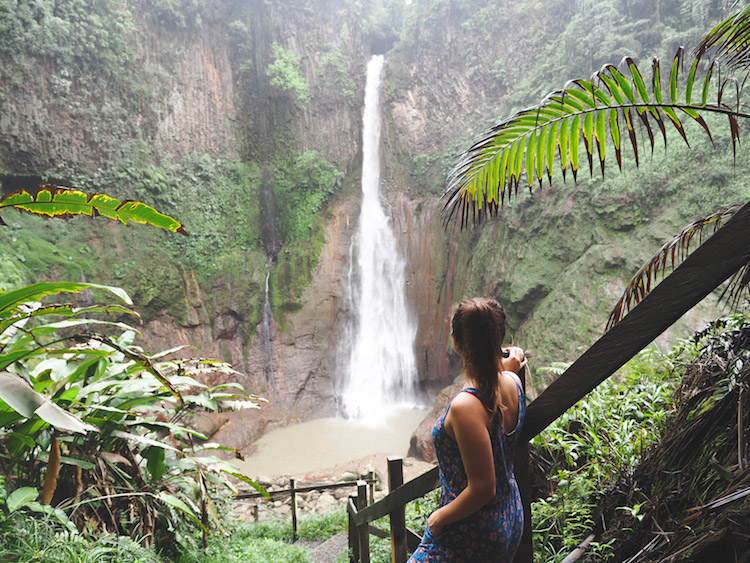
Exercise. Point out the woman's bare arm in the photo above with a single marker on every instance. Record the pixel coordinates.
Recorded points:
(467, 422)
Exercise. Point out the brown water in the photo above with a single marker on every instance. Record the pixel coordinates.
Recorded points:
(325, 442)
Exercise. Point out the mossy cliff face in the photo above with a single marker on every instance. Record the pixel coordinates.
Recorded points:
(558, 260)
(243, 120)
(74, 104)
(176, 107)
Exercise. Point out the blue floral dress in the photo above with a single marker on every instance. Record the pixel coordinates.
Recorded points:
(493, 533)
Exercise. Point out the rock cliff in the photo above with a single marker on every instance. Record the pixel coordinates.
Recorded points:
(188, 93)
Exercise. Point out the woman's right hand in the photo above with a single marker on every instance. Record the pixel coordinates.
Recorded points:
(516, 359)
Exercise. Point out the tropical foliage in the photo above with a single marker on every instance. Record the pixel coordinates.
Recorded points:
(103, 422)
(597, 442)
(61, 202)
(601, 111)
(616, 103)
(729, 39)
(92, 429)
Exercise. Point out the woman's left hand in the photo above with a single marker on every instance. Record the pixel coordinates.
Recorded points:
(433, 522)
(515, 360)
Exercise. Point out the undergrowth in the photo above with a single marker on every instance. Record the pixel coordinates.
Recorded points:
(595, 443)
(269, 540)
(28, 538)
(42, 540)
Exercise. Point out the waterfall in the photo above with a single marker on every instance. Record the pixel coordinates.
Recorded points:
(265, 333)
(381, 371)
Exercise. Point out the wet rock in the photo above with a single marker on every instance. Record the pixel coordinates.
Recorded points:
(264, 481)
(326, 500)
(421, 441)
(340, 494)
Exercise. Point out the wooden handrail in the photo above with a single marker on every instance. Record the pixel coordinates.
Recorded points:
(360, 515)
(305, 489)
(417, 487)
(293, 490)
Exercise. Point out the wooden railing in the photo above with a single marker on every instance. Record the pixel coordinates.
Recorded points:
(293, 490)
(361, 515)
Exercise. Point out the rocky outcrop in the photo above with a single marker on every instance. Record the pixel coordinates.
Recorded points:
(63, 119)
(421, 446)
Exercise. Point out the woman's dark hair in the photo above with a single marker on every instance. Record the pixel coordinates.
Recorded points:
(478, 326)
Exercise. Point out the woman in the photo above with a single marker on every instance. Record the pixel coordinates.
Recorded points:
(480, 516)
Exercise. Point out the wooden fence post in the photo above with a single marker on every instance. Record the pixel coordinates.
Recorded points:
(255, 513)
(371, 483)
(353, 534)
(295, 537)
(362, 531)
(397, 516)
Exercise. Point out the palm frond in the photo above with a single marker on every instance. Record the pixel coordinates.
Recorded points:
(736, 288)
(668, 257)
(61, 202)
(729, 40)
(602, 111)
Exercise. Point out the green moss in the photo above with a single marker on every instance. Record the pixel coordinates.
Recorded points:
(12, 274)
(243, 275)
(295, 266)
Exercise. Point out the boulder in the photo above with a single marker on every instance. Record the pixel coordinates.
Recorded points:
(420, 445)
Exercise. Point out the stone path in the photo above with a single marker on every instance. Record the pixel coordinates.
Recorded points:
(330, 550)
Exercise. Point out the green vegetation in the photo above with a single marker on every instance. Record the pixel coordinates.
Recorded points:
(77, 35)
(179, 14)
(285, 75)
(597, 443)
(27, 538)
(72, 400)
(302, 184)
(91, 425)
(336, 76)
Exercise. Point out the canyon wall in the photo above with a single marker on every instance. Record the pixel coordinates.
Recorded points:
(188, 94)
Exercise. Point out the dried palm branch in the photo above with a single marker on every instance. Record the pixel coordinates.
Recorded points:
(601, 110)
(668, 257)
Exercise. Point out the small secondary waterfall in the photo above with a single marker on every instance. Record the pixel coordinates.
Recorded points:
(381, 371)
(265, 333)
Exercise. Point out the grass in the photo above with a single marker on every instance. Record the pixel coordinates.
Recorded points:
(25, 538)
(269, 540)
(40, 540)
